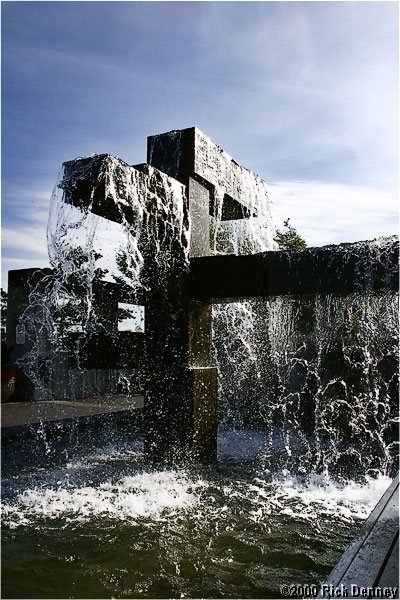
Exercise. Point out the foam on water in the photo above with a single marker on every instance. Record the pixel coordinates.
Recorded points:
(319, 495)
(148, 495)
(235, 527)
(253, 492)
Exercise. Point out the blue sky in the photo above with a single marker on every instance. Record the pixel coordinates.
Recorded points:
(303, 93)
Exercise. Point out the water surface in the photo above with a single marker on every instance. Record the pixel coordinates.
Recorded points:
(92, 520)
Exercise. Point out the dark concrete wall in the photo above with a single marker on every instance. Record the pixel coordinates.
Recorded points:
(103, 355)
(345, 268)
(21, 283)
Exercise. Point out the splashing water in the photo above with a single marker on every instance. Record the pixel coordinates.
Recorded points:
(319, 373)
(306, 442)
(74, 311)
(110, 526)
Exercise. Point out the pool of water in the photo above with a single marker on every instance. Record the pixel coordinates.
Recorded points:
(87, 518)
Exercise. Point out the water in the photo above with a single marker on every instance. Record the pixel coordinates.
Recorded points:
(306, 443)
(92, 520)
(319, 374)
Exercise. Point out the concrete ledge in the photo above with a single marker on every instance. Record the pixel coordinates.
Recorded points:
(27, 419)
(372, 559)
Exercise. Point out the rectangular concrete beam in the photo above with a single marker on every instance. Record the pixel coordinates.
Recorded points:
(342, 269)
(109, 187)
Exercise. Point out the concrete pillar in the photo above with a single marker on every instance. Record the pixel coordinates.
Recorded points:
(204, 383)
(181, 384)
(204, 376)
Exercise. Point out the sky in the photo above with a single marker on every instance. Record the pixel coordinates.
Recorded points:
(303, 93)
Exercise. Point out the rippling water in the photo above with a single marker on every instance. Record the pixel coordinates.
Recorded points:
(97, 522)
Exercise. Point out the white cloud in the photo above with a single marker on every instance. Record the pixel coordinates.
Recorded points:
(23, 247)
(330, 213)
(29, 239)
(312, 88)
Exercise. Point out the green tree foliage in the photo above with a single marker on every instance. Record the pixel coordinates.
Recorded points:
(124, 277)
(288, 238)
(74, 311)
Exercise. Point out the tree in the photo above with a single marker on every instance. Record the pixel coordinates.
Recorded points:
(73, 306)
(74, 312)
(124, 278)
(288, 238)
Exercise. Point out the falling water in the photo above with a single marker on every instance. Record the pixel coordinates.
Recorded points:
(307, 388)
(73, 319)
(319, 374)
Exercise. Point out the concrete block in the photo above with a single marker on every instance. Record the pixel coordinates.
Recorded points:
(189, 153)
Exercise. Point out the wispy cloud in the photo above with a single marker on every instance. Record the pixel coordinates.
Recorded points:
(313, 86)
(305, 94)
(23, 247)
(31, 204)
(23, 232)
(329, 213)
(30, 240)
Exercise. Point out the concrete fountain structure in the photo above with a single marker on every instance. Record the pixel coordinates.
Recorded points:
(178, 208)
(197, 236)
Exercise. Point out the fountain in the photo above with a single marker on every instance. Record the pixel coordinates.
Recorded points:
(300, 348)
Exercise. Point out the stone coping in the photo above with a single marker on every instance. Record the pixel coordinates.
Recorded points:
(17, 414)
